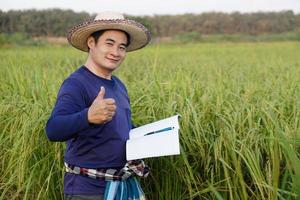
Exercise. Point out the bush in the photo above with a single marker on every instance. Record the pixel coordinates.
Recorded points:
(188, 37)
(17, 39)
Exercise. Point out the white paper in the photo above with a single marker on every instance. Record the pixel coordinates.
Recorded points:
(158, 125)
(163, 143)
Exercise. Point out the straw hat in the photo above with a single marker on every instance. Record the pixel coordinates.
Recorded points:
(139, 34)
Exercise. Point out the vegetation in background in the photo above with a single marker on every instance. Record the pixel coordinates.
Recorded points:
(240, 107)
(56, 22)
(18, 39)
(196, 37)
(49, 22)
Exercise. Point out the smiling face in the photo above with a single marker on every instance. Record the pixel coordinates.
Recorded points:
(108, 53)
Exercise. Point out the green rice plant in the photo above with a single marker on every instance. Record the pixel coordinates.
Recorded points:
(240, 108)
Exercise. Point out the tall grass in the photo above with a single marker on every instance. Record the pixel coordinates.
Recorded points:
(240, 108)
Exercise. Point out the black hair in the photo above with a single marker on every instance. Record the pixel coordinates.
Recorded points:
(97, 34)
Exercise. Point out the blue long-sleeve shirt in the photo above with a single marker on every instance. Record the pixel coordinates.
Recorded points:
(89, 145)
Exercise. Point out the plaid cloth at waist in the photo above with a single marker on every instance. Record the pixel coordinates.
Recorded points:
(133, 167)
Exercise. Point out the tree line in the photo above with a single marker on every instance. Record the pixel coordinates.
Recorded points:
(56, 22)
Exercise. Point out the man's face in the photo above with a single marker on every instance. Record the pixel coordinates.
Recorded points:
(110, 50)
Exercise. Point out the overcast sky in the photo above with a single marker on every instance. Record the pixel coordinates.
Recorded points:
(151, 7)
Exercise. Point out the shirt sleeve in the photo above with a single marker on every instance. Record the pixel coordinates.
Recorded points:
(69, 115)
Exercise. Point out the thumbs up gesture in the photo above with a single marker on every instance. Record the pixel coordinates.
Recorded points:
(102, 110)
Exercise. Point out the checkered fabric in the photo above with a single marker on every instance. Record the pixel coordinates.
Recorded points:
(133, 167)
(120, 184)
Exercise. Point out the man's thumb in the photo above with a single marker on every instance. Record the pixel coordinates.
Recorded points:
(101, 93)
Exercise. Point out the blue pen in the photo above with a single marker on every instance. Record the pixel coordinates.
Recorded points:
(161, 130)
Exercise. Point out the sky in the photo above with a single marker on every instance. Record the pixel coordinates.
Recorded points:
(155, 7)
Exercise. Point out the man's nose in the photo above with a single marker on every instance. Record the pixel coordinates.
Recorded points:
(115, 52)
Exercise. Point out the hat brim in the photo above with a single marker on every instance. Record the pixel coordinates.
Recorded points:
(139, 35)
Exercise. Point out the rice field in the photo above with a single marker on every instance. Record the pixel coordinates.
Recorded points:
(240, 125)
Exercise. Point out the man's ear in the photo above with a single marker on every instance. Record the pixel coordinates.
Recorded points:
(90, 42)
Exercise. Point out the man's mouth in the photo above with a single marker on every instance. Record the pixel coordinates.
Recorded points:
(113, 60)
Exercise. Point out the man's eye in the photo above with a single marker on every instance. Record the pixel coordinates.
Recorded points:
(109, 44)
(122, 48)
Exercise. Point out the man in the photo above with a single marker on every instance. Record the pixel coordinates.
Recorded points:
(92, 112)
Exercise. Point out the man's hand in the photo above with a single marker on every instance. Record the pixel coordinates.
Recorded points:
(102, 110)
